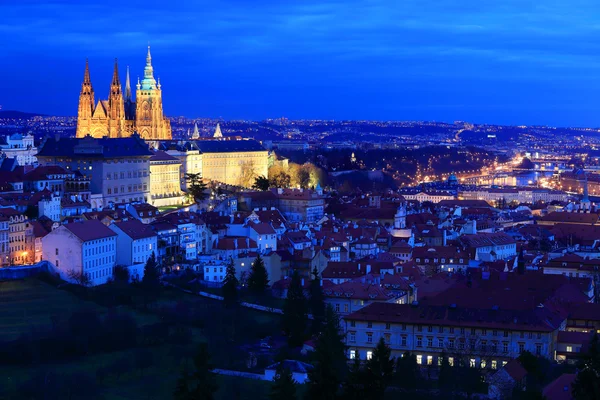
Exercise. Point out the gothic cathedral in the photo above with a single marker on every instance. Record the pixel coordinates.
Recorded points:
(118, 117)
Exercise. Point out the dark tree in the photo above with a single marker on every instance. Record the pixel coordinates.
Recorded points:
(261, 183)
(316, 302)
(303, 178)
(196, 187)
(151, 279)
(230, 285)
(445, 380)
(201, 383)
(144, 359)
(258, 281)
(281, 180)
(121, 275)
(521, 263)
(587, 382)
(356, 383)
(295, 316)
(329, 360)
(284, 385)
(408, 375)
(380, 370)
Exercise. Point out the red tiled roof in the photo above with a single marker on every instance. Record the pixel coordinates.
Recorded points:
(135, 229)
(569, 217)
(90, 230)
(537, 319)
(560, 388)
(515, 370)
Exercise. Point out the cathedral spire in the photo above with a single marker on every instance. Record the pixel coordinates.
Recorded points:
(115, 79)
(218, 133)
(86, 75)
(196, 134)
(127, 86)
(148, 83)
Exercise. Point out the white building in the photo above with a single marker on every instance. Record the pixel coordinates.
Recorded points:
(20, 147)
(50, 206)
(135, 244)
(86, 248)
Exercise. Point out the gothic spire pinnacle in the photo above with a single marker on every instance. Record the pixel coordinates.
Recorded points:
(127, 86)
(196, 134)
(115, 80)
(86, 75)
(218, 132)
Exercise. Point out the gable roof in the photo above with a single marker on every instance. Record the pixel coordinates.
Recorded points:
(89, 230)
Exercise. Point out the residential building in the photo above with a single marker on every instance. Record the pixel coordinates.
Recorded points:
(82, 251)
(300, 204)
(136, 243)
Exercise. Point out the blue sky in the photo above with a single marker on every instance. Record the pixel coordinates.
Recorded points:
(508, 62)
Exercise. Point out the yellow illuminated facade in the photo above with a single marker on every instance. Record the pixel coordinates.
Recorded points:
(120, 116)
(164, 180)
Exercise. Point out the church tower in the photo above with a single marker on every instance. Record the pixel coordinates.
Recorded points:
(86, 104)
(116, 106)
(150, 121)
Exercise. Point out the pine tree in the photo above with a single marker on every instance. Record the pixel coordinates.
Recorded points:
(316, 302)
(295, 316)
(380, 370)
(230, 285)
(329, 358)
(587, 382)
(151, 280)
(196, 187)
(258, 281)
(284, 385)
(201, 383)
(408, 375)
(355, 385)
(445, 380)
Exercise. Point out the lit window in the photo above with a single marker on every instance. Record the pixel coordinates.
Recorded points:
(419, 359)
(429, 360)
(352, 354)
(451, 361)
(569, 349)
(494, 364)
(369, 355)
(483, 363)
(472, 362)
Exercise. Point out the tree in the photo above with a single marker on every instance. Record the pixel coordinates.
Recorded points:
(303, 178)
(261, 183)
(196, 186)
(230, 285)
(247, 174)
(281, 180)
(355, 386)
(151, 280)
(380, 370)
(284, 385)
(587, 382)
(316, 301)
(121, 275)
(445, 381)
(79, 278)
(258, 281)
(408, 375)
(201, 383)
(295, 316)
(329, 359)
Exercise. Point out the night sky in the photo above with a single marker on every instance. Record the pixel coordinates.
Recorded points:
(506, 62)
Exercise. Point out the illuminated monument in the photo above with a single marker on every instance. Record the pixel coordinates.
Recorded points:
(120, 116)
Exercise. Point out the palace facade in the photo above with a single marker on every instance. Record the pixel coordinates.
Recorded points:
(120, 116)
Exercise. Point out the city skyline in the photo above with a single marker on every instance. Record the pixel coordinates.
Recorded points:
(509, 64)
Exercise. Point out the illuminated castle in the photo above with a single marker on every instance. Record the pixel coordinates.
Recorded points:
(121, 116)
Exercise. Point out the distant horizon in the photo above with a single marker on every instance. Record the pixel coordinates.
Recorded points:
(334, 120)
(503, 63)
